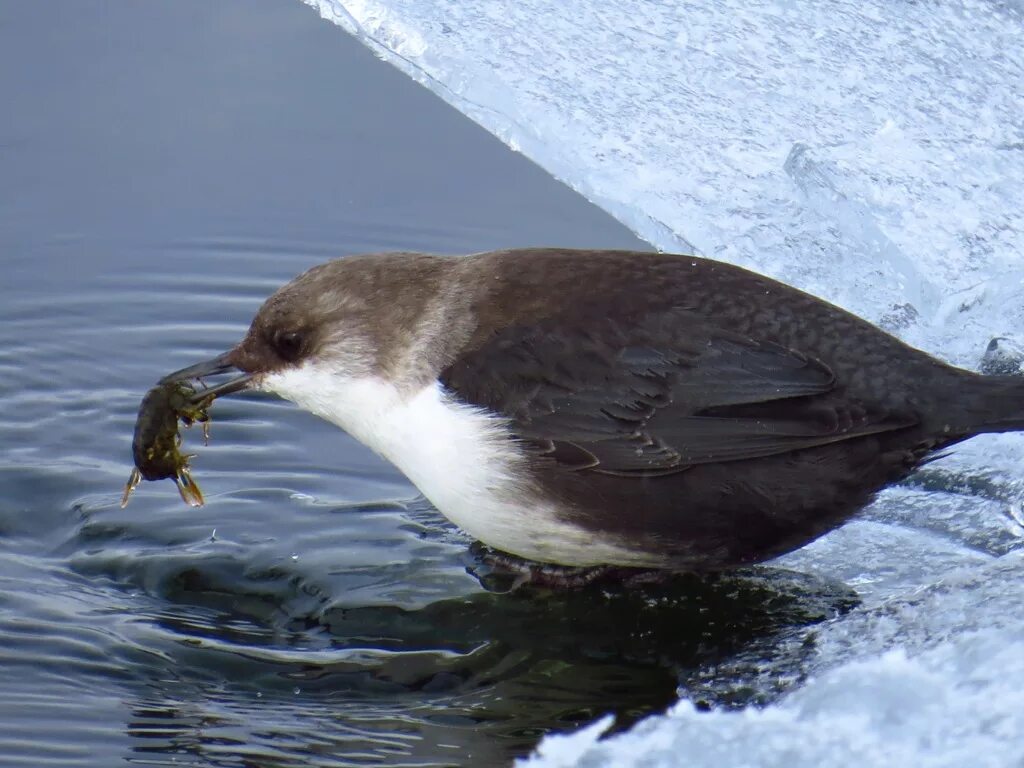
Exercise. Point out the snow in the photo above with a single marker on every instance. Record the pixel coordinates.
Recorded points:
(864, 713)
(876, 142)
(872, 153)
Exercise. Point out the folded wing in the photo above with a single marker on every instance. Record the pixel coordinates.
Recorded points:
(655, 395)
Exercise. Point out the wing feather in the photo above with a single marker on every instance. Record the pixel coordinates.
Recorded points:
(656, 395)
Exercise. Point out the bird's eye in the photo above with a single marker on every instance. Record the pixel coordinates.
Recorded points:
(288, 344)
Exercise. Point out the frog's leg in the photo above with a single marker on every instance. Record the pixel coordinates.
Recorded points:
(187, 487)
(133, 482)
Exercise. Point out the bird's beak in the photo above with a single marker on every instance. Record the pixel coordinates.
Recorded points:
(215, 367)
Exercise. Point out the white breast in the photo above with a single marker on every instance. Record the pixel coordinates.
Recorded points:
(460, 457)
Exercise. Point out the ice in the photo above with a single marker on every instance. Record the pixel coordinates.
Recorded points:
(959, 704)
(933, 679)
(870, 152)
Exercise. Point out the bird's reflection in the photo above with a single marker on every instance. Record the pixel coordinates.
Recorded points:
(273, 672)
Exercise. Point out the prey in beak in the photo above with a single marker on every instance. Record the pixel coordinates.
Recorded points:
(292, 328)
(174, 401)
(216, 366)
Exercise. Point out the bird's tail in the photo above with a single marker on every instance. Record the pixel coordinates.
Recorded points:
(998, 405)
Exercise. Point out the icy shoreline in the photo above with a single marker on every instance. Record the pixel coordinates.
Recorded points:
(870, 153)
(867, 712)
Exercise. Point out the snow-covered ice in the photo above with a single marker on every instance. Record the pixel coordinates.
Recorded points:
(933, 709)
(868, 151)
(871, 152)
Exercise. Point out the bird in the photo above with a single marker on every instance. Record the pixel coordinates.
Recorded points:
(596, 408)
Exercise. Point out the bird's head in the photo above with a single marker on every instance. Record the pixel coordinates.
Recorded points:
(349, 320)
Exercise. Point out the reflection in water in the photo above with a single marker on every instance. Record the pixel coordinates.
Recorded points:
(268, 665)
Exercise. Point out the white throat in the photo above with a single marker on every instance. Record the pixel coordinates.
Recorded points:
(462, 458)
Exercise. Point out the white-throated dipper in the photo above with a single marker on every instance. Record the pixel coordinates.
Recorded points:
(612, 408)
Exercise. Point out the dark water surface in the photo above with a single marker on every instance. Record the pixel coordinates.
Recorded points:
(164, 166)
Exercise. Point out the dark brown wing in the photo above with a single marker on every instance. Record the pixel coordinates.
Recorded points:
(656, 395)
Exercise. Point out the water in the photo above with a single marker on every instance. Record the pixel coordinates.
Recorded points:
(164, 167)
